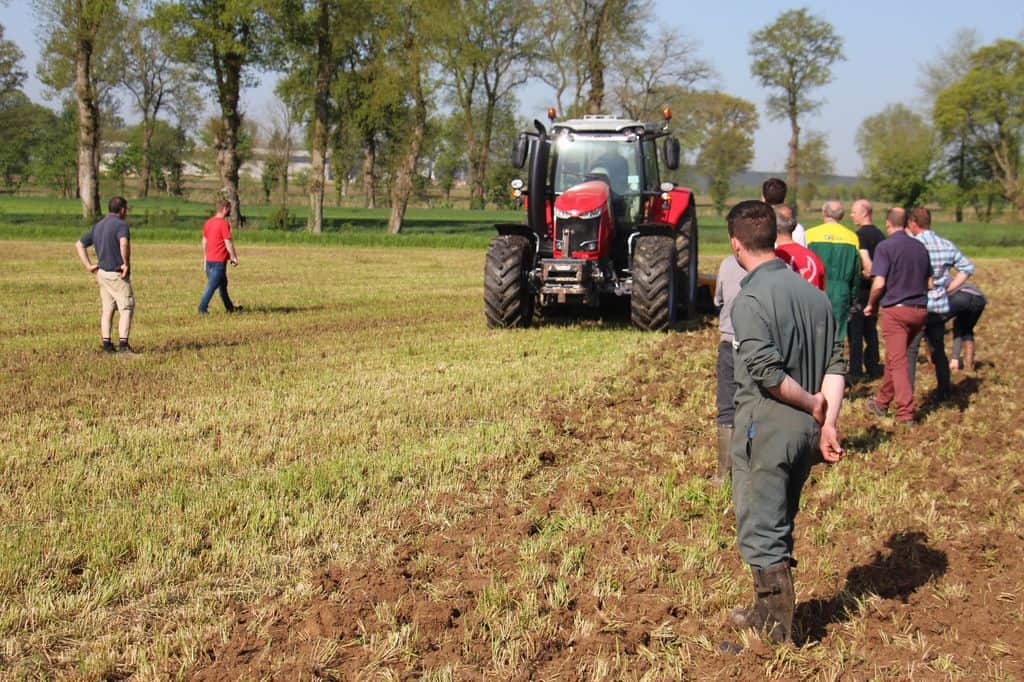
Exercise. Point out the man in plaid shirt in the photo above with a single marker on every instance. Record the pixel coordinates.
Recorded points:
(944, 257)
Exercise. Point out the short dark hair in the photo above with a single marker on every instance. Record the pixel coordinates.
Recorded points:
(922, 216)
(896, 217)
(117, 204)
(752, 223)
(774, 191)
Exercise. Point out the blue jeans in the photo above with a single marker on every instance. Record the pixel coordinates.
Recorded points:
(216, 280)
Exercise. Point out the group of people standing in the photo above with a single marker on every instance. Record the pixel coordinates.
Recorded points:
(790, 299)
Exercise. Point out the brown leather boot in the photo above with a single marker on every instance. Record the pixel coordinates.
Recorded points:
(724, 454)
(968, 355)
(774, 602)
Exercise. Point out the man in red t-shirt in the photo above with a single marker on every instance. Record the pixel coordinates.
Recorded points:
(800, 259)
(218, 250)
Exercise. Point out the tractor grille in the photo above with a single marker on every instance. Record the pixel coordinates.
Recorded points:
(573, 234)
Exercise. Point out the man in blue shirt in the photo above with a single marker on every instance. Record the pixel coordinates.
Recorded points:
(944, 257)
(110, 237)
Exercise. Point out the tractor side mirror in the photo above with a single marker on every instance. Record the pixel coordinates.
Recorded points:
(671, 151)
(520, 150)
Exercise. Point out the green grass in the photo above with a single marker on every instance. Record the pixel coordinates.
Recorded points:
(173, 220)
(359, 420)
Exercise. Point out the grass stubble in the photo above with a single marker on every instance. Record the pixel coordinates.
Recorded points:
(358, 443)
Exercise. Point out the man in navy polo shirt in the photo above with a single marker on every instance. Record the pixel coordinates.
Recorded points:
(902, 270)
(110, 237)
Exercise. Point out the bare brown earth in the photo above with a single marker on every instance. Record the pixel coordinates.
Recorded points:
(613, 558)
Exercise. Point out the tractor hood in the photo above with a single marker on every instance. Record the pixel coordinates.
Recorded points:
(584, 198)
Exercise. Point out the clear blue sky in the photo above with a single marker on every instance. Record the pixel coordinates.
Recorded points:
(886, 42)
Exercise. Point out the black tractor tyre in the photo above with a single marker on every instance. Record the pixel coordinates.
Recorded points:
(685, 248)
(683, 237)
(652, 301)
(508, 301)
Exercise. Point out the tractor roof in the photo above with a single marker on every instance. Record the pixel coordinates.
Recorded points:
(603, 124)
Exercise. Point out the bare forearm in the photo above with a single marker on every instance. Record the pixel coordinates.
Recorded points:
(126, 253)
(877, 287)
(833, 387)
(792, 393)
(83, 255)
(956, 282)
(230, 246)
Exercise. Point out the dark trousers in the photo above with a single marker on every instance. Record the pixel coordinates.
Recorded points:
(863, 335)
(935, 332)
(900, 324)
(969, 308)
(773, 451)
(216, 280)
(725, 394)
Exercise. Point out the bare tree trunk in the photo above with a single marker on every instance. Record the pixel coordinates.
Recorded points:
(318, 154)
(793, 161)
(88, 131)
(402, 187)
(147, 142)
(228, 82)
(369, 164)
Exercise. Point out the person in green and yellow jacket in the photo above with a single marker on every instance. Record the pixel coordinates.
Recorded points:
(839, 249)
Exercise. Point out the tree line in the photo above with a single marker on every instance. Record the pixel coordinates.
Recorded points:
(405, 90)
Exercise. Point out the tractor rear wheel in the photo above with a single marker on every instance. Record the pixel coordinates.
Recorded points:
(685, 260)
(653, 297)
(508, 301)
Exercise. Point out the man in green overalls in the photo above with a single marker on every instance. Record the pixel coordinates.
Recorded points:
(790, 375)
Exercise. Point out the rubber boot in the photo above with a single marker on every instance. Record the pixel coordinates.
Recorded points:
(969, 355)
(774, 602)
(724, 454)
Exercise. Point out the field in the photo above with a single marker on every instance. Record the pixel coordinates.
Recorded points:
(354, 479)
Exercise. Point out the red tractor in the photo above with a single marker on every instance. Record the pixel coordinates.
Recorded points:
(599, 223)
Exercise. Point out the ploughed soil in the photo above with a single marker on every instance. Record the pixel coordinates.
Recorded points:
(925, 584)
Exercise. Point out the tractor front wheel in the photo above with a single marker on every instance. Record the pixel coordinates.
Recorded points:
(508, 301)
(653, 297)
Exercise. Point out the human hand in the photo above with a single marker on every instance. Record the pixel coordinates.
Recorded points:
(869, 310)
(124, 271)
(234, 262)
(831, 450)
(92, 268)
(819, 408)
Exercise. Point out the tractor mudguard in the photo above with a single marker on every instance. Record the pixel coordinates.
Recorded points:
(507, 229)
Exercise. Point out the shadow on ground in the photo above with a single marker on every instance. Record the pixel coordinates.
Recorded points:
(897, 573)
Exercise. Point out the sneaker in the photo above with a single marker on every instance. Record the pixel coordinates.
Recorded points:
(236, 309)
(875, 409)
(108, 348)
(125, 350)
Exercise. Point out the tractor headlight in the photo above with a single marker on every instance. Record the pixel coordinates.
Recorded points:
(589, 215)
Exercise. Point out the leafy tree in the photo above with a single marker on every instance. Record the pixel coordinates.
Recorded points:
(25, 124)
(12, 76)
(727, 126)
(152, 80)
(961, 162)
(227, 40)
(317, 38)
(987, 106)
(416, 23)
(792, 56)
(580, 38)
(899, 153)
(486, 50)
(54, 157)
(76, 43)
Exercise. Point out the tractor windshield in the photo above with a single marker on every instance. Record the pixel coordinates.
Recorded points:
(583, 158)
